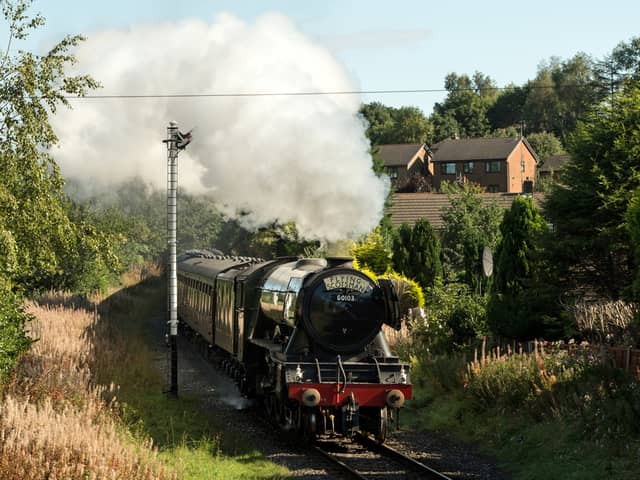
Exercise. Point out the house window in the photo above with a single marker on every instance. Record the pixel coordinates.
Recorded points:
(492, 188)
(467, 167)
(493, 166)
(522, 165)
(393, 173)
(448, 168)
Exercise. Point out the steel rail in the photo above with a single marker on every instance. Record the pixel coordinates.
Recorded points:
(346, 468)
(386, 450)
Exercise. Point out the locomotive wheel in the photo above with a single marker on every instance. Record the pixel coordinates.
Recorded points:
(310, 425)
(383, 423)
(273, 408)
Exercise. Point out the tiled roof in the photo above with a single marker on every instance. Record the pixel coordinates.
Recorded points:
(398, 154)
(554, 162)
(411, 207)
(452, 150)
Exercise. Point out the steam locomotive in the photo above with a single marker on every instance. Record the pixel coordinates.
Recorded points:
(301, 334)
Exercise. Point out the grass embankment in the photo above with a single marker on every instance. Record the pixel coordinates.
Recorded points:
(554, 414)
(87, 401)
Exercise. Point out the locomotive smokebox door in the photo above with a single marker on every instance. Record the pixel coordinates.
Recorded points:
(392, 314)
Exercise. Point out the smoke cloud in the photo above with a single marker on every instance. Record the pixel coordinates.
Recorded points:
(280, 158)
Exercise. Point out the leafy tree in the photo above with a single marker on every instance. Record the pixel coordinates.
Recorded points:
(622, 65)
(426, 267)
(465, 107)
(379, 120)
(562, 93)
(508, 109)
(372, 253)
(401, 248)
(545, 145)
(632, 219)
(454, 316)
(524, 303)
(395, 125)
(411, 126)
(13, 340)
(416, 253)
(587, 207)
(521, 229)
(469, 226)
(34, 212)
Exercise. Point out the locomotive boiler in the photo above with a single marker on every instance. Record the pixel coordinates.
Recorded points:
(302, 335)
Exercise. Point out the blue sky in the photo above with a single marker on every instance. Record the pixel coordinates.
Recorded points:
(398, 45)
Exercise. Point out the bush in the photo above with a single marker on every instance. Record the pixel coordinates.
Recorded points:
(454, 316)
(571, 382)
(410, 295)
(372, 253)
(416, 253)
(13, 339)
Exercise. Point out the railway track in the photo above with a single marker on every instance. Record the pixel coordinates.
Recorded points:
(364, 458)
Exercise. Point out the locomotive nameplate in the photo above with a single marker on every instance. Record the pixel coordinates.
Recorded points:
(347, 282)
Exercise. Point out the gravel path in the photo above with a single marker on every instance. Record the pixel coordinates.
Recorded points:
(219, 395)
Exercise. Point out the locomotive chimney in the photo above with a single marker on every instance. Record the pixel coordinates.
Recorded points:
(333, 262)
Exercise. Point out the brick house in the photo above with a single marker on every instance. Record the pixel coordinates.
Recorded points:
(505, 164)
(402, 160)
(552, 165)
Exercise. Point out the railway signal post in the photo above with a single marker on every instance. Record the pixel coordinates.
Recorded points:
(175, 141)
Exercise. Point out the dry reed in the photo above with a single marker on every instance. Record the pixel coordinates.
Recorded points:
(54, 421)
(604, 321)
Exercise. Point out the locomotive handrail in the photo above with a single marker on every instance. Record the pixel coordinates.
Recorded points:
(318, 368)
(375, 360)
(344, 374)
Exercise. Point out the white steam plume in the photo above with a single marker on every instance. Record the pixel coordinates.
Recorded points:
(286, 158)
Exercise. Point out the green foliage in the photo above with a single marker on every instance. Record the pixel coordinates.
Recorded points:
(410, 294)
(621, 66)
(13, 340)
(524, 302)
(464, 111)
(401, 247)
(573, 384)
(521, 230)
(395, 125)
(545, 145)
(416, 253)
(507, 110)
(372, 253)
(562, 93)
(454, 316)
(587, 206)
(632, 219)
(469, 226)
(45, 248)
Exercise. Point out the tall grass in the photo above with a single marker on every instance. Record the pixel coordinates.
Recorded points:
(55, 422)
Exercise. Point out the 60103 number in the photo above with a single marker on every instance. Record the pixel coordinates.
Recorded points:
(346, 298)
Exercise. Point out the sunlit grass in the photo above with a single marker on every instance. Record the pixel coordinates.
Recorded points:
(87, 401)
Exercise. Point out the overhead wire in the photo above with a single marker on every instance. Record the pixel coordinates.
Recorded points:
(327, 92)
